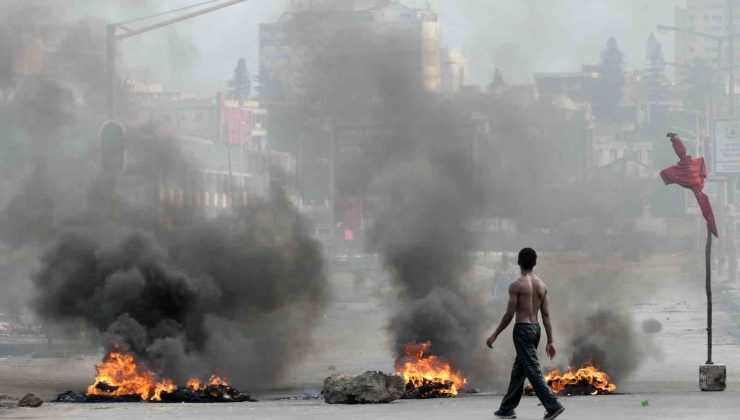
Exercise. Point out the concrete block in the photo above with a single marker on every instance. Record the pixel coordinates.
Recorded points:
(712, 377)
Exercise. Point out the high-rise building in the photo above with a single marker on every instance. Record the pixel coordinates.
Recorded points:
(281, 53)
(711, 17)
(454, 69)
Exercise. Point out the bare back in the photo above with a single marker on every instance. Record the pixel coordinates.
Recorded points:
(530, 293)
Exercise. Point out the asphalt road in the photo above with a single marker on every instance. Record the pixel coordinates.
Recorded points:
(673, 406)
(353, 340)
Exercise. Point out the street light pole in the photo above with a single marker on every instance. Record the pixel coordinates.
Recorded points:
(112, 37)
(110, 70)
(720, 44)
(731, 60)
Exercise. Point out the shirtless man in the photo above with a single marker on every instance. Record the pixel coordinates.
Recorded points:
(527, 297)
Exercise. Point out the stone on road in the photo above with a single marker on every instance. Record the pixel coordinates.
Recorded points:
(369, 388)
(30, 400)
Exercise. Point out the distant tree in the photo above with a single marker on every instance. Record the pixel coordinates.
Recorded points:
(699, 82)
(655, 83)
(240, 86)
(608, 94)
(497, 82)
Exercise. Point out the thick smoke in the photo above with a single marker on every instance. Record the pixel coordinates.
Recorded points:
(237, 294)
(427, 189)
(214, 296)
(608, 339)
(420, 230)
(592, 320)
(421, 179)
(188, 295)
(50, 80)
(43, 109)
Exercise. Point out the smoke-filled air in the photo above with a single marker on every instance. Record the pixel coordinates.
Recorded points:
(277, 205)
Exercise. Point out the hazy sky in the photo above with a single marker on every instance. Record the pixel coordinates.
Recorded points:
(520, 36)
(527, 36)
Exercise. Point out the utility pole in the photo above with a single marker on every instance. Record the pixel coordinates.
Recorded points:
(731, 248)
(113, 37)
(110, 70)
(731, 63)
(720, 69)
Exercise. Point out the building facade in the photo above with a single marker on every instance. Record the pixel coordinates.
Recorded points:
(710, 17)
(282, 54)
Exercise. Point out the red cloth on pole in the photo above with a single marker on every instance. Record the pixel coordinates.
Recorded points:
(690, 173)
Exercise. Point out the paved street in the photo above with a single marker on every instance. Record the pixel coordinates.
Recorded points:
(667, 380)
(673, 406)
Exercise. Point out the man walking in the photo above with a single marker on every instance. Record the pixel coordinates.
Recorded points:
(527, 297)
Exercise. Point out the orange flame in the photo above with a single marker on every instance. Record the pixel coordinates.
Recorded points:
(119, 375)
(587, 374)
(196, 385)
(165, 385)
(418, 367)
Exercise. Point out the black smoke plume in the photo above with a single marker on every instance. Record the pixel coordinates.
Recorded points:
(609, 340)
(236, 294)
(427, 185)
(187, 294)
(420, 179)
(250, 283)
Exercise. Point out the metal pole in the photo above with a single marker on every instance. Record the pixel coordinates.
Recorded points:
(731, 60)
(719, 88)
(333, 184)
(110, 70)
(231, 176)
(112, 38)
(178, 19)
(708, 264)
(299, 168)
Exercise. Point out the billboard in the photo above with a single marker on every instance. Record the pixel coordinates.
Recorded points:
(726, 156)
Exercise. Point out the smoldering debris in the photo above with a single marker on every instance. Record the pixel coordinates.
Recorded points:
(607, 339)
(593, 323)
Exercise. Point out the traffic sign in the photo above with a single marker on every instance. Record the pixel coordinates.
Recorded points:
(726, 147)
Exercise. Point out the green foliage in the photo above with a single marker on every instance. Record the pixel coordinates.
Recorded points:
(497, 82)
(608, 95)
(655, 83)
(699, 81)
(240, 86)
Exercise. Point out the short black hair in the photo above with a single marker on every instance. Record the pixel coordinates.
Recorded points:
(527, 259)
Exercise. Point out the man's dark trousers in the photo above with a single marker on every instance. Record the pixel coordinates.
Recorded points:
(526, 365)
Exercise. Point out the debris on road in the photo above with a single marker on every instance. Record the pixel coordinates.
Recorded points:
(369, 388)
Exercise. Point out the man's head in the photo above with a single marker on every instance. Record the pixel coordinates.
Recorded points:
(527, 259)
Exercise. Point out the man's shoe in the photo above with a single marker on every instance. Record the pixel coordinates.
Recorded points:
(505, 414)
(550, 415)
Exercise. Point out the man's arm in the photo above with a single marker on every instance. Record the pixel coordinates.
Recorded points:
(545, 309)
(508, 316)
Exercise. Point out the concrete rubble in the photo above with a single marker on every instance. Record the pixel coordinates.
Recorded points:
(30, 400)
(369, 388)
